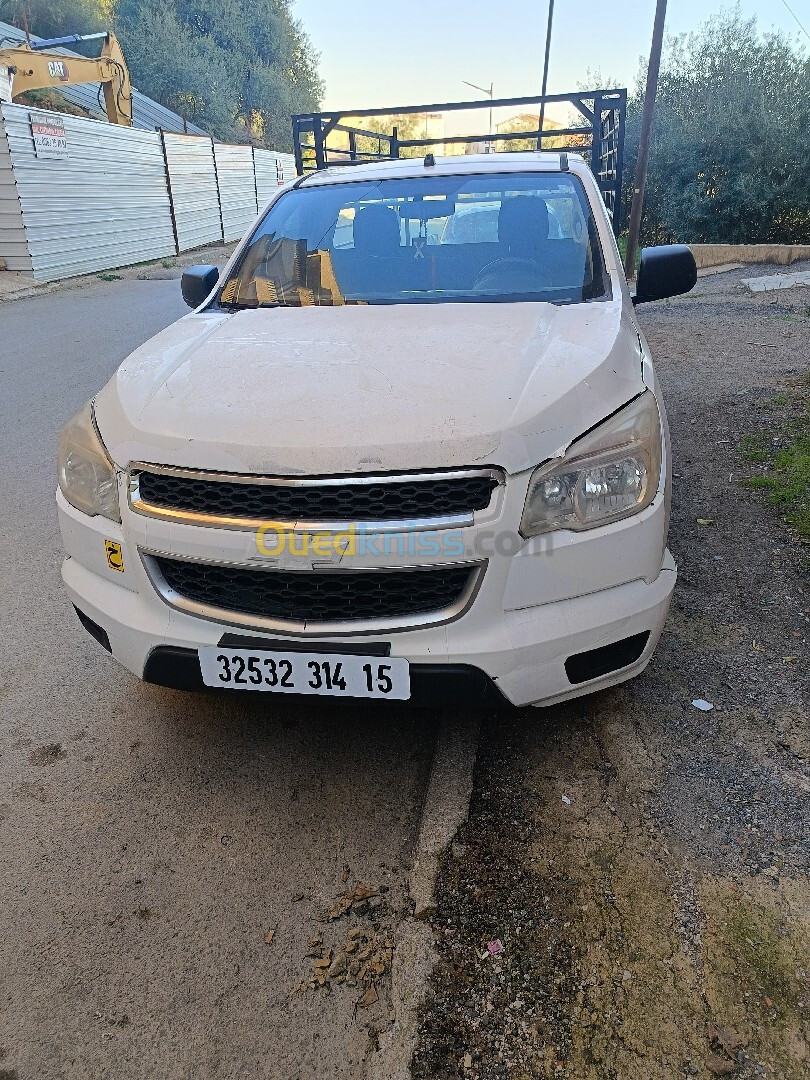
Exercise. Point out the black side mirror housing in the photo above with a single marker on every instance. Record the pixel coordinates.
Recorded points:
(664, 271)
(197, 282)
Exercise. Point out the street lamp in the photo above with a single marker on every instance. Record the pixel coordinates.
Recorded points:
(489, 92)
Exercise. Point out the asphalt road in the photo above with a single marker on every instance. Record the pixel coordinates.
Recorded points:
(150, 839)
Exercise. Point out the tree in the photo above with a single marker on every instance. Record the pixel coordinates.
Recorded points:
(731, 138)
(56, 18)
(408, 125)
(238, 68)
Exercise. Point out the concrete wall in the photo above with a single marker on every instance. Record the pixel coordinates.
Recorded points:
(721, 254)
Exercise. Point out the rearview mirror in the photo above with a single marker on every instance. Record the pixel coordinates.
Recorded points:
(197, 282)
(664, 271)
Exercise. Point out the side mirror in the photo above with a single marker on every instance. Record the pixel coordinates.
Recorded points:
(664, 271)
(197, 282)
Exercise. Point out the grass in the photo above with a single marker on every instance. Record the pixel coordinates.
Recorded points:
(785, 476)
(109, 277)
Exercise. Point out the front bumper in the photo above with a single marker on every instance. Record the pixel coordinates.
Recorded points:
(521, 646)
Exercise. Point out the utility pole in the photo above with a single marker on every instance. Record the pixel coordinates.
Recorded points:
(545, 75)
(491, 93)
(640, 181)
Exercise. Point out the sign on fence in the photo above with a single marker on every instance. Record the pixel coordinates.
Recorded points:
(49, 136)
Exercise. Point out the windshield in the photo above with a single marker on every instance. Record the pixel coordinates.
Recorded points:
(490, 238)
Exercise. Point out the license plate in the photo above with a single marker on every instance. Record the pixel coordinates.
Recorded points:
(330, 674)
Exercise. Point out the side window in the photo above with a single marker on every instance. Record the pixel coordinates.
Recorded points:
(566, 221)
(344, 229)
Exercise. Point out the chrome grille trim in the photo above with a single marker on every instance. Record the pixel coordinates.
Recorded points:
(351, 628)
(141, 506)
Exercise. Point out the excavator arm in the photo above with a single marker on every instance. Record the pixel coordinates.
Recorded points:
(33, 67)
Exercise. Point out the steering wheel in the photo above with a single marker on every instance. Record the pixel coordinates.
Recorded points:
(519, 270)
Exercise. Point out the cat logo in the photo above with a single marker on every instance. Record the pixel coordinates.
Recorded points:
(58, 69)
(115, 555)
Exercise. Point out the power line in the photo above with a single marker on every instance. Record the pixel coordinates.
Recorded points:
(796, 17)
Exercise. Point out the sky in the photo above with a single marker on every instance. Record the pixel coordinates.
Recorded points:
(382, 54)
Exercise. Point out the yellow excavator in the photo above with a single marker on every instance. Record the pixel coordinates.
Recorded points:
(32, 67)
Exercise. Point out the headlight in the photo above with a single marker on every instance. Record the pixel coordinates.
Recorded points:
(608, 474)
(86, 475)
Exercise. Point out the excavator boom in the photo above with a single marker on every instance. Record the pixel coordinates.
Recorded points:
(32, 67)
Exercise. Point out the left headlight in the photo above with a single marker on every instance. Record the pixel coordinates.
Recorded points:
(87, 477)
(608, 474)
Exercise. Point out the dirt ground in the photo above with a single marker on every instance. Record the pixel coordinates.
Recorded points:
(644, 864)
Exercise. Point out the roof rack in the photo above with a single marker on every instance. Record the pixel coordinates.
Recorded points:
(324, 139)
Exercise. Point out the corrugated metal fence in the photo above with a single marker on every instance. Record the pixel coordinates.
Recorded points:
(237, 188)
(119, 195)
(193, 186)
(271, 169)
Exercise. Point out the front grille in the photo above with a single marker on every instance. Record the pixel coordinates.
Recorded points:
(317, 597)
(381, 500)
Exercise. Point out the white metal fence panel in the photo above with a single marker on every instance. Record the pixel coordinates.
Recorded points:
(105, 203)
(272, 169)
(266, 166)
(193, 186)
(287, 164)
(237, 189)
(13, 245)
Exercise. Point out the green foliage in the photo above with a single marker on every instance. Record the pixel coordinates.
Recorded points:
(238, 68)
(55, 18)
(408, 125)
(235, 67)
(731, 138)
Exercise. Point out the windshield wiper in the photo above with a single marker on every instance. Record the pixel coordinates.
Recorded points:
(251, 306)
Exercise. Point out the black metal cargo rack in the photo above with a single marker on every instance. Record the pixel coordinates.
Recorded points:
(324, 139)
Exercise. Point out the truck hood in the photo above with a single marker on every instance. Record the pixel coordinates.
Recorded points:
(323, 390)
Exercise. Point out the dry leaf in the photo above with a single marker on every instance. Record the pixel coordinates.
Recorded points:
(720, 1066)
(726, 1038)
(315, 946)
(345, 901)
(340, 907)
(363, 892)
(370, 997)
(268, 937)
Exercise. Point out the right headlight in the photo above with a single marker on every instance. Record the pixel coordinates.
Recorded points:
(608, 474)
(86, 475)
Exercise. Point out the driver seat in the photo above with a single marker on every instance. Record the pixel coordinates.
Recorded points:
(522, 261)
(523, 226)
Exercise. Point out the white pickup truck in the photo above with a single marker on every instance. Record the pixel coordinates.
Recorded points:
(386, 456)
